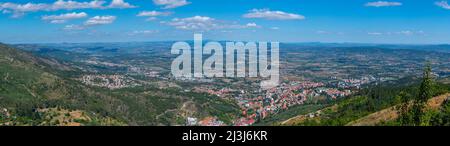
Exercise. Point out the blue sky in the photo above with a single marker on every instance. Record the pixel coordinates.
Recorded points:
(356, 21)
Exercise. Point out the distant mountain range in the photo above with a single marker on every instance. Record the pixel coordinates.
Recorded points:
(424, 47)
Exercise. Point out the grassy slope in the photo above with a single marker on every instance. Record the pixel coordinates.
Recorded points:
(391, 113)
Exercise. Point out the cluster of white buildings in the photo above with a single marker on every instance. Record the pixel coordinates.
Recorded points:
(108, 81)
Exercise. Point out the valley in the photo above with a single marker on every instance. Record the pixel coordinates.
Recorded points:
(131, 84)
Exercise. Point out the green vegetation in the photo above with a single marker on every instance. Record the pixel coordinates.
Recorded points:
(29, 84)
(292, 112)
(38, 90)
(418, 114)
(410, 98)
(442, 116)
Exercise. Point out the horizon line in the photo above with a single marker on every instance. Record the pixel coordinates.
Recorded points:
(285, 42)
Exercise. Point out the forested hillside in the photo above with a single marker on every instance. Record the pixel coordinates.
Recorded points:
(39, 91)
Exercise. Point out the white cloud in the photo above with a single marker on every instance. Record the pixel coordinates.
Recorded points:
(375, 33)
(121, 4)
(409, 32)
(193, 23)
(100, 20)
(71, 5)
(58, 5)
(383, 4)
(28, 7)
(204, 23)
(153, 13)
(170, 4)
(272, 15)
(58, 21)
(151, 19)
(443, 4)
(93, 21)
(19, 10)
(63, 17)
(275, 28)
(403, 32)
(252, 25)
(73, 27)
(143, 32)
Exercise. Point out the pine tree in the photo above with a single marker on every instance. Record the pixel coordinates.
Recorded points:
(425, 93)
(404, 110)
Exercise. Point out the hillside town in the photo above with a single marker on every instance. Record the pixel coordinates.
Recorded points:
(270, 102)
(109, 81)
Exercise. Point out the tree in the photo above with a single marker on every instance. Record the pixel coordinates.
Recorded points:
(404, 110)
(425, 93)
(442, 118)
(445, 111)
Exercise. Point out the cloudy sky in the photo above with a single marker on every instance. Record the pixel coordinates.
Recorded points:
(358, 21)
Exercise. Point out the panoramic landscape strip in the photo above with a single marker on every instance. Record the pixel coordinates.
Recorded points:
(224, 63)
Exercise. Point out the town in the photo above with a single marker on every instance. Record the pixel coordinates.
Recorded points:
(309, 75)
(262, 104)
